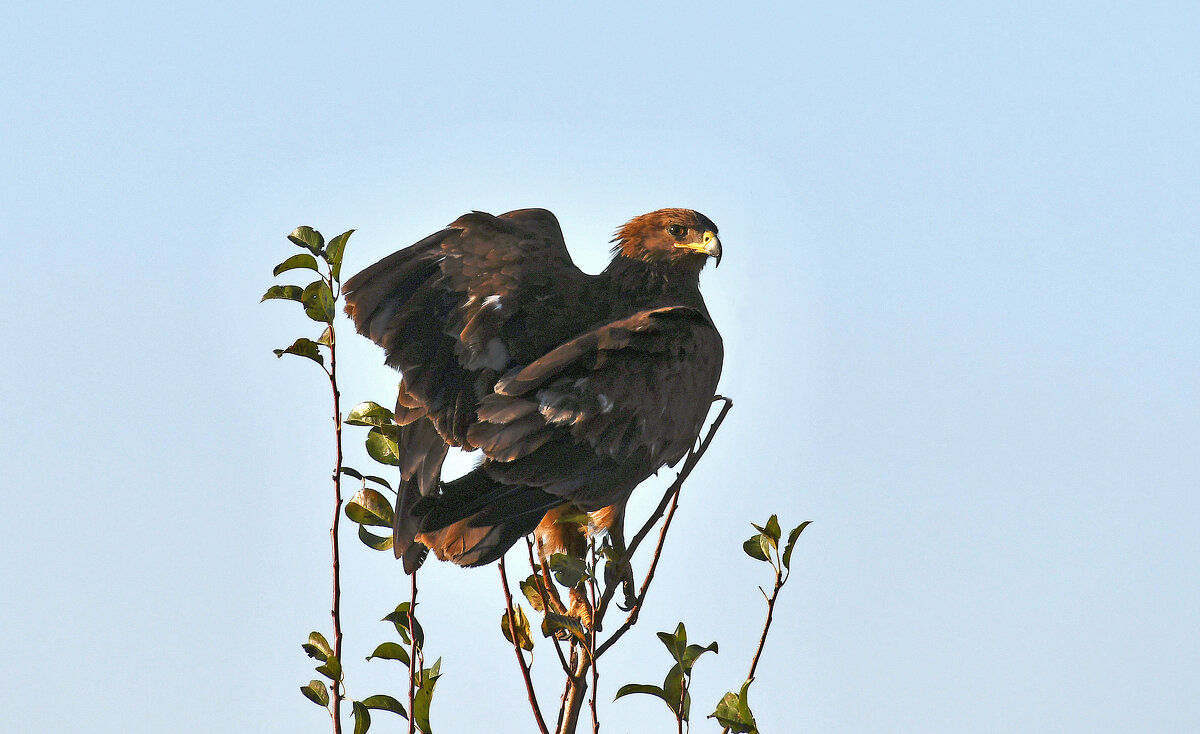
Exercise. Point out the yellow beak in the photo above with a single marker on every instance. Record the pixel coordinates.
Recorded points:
(710, 245)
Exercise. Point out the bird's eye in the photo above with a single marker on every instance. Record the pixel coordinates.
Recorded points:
(677, 231)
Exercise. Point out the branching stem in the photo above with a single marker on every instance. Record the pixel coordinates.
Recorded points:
(762, 640)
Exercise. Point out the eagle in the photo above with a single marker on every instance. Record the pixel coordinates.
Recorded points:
(574, 387)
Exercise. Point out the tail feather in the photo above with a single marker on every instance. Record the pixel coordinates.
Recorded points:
(475, 518)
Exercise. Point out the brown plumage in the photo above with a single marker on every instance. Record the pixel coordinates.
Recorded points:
(575, 387)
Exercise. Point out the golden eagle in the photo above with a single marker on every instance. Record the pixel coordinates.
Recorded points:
(574, 387)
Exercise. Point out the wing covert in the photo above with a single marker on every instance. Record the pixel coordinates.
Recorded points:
(632, 392)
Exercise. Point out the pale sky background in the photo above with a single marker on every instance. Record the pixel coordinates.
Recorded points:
(959, 297)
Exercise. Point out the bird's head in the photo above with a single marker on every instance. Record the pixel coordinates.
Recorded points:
(679, 235)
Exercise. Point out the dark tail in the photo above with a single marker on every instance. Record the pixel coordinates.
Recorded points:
(475, 518)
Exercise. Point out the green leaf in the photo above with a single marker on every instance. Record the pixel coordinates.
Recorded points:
(303, 348)
(369, 507)
(370, 414)
(316, 692)
(673, 692)
(318, 302)
(552, 623)
(568, 571)
(424, 697)
(694, 651)
(384, 702)
(303, 260)
(744, 705)
(630, 688)
(288, 292)
(772, 529)
(390, 651)
(309, 238)
(522, 624)
(317, 647)
(755, 547)
(399, 618)
(382, 447)
(373, 541)
(791, 542)
(533, 592)
(377, 480)
(333, 253)
(327, 337)
(362, 718)
(350, 472)
(332, 669)
(733, 712)
(676, 643)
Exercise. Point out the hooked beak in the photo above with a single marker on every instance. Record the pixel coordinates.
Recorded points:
(712, 247)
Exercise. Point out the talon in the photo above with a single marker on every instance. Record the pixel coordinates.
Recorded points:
(622, 573)
(629, 591)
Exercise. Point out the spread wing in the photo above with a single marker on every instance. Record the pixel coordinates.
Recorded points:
(453, 312)
(465, 304)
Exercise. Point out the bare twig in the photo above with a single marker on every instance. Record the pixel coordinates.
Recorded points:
(336, 608)
(576, 688)
(591, 585)
(634, 611)
(762, 641)
(415, 659)
(512, 630)
(670, 496)
(541, 575)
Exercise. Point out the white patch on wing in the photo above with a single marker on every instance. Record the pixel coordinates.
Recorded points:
(492, 302)
(606, 405)
(494, 355)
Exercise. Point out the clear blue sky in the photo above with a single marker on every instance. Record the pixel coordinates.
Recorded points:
(959, 295)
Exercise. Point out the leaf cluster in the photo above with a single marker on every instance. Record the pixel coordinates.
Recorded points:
(331, 668)
(764, 545)
(424, 679)
(318, 298)
(369, 507)
(674, 690)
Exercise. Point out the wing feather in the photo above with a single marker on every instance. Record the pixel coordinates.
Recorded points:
(450, 310)
(615, 398)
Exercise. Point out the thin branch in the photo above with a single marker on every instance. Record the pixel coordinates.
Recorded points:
(762, 641)
(512, 630)
(415, 662)
(591, 584)
(576, 687)
(641, 596)
(670, 496)
(336, 609)
(541, 575)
